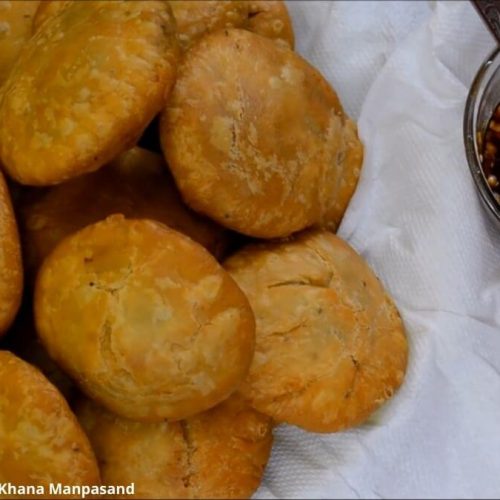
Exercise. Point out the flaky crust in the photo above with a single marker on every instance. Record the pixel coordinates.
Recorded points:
(11, 269)
(197, 18)
(84, 88)
(267, 151)
(41, 441)
(331, 346)
(144, 319)
(48, 9)
(16, 19)
(270, 18)
(136, 184)
(221, 453)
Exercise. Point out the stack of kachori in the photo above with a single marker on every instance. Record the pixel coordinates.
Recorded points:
(174, 177)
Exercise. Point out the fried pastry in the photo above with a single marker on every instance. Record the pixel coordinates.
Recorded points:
(144, 319)
(41, 441)
(11, 269)
(195, 18)
(270, 18)
(48, 9)
(331, 346)
(221, 453)
(84, 88)
(136, 184)
(16, 20)
(268, 151)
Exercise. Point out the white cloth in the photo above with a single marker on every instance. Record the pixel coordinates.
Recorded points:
(403, 70)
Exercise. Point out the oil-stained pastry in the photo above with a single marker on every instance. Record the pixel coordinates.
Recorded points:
(144, 319)
(331, 346)
(41, 441)
(221, 453)
(84, 88)
(268, 150)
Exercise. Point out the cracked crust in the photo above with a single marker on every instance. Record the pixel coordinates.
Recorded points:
(16, 19)
(136, 184)
(84, 88)
(11, 269)
(144, 319)
(331, 346)
(176, 459)
(268, 151)
(41, 441)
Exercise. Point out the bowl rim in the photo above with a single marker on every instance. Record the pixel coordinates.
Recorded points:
(470, 142)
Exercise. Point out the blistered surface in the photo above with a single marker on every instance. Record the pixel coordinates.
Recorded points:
(331, 346)
(220, 453)
(268, 151)
(144, 319)
(84, 87)
(41, 440)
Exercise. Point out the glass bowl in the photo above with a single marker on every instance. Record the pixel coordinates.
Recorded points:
(483, 98)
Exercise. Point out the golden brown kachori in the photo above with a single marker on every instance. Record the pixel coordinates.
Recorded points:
(331, 346)
(41, 441)
(136, 184)
(84, 88)
(144, 319)
(268, 150)
(221, 453)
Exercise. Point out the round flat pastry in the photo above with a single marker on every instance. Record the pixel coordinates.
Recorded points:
(331, 346)
(84, 88)
(41, 441)
(221, 453)
(136, 184)
(11, 268)
(16, 21)
(268, 151)
(144, 319)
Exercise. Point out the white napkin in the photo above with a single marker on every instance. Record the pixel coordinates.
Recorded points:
(403, 70)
